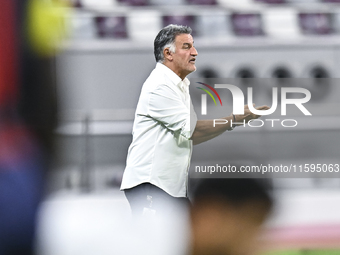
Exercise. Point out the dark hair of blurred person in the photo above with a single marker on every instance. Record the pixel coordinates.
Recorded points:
(27, 119)
(227, 215)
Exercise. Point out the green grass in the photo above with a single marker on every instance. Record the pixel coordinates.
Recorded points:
(304, 252)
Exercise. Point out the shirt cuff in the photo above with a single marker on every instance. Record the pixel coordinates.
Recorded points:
(190, 125)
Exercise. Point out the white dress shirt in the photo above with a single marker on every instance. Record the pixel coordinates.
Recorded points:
(161, 148)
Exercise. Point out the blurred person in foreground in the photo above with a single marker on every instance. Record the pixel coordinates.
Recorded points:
(27, 120)
(166, 126)
(227, 215)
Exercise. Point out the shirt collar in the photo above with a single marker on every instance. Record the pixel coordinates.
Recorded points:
(172, 76)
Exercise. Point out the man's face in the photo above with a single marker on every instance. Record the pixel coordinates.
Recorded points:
(184, 56)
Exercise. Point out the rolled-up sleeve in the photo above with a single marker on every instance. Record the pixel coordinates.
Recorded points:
(167, 107)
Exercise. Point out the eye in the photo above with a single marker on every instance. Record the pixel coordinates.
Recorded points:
(186, 46)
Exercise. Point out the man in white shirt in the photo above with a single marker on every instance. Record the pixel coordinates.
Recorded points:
(166, 126)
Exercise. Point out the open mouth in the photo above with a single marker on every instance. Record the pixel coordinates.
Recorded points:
(192, 60)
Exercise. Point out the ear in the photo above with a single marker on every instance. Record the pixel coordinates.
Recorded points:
(167, 54)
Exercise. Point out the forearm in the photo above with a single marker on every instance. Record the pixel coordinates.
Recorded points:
(205, 130)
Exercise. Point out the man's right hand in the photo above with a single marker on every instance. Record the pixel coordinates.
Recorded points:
(248, 115)
(206, 130)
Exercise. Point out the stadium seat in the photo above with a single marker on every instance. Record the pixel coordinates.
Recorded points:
(202, 2)
(185, 20)
(315, 23)
(83, 26)
(111, 27)
(134, 2)
(213, 23)
(247, 24)
(95, 4)
(167, 2)
(272, 1)
(144, 24)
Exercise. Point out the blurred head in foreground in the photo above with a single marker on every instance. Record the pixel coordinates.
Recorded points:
(227, 214)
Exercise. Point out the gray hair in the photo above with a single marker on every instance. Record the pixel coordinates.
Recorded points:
(166, 39)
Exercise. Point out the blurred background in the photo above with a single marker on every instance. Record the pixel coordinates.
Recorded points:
(91, 58)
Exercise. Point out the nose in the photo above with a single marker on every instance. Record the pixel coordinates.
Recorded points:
(194, 51)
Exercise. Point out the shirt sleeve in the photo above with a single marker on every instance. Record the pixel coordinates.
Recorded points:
(167, 107)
